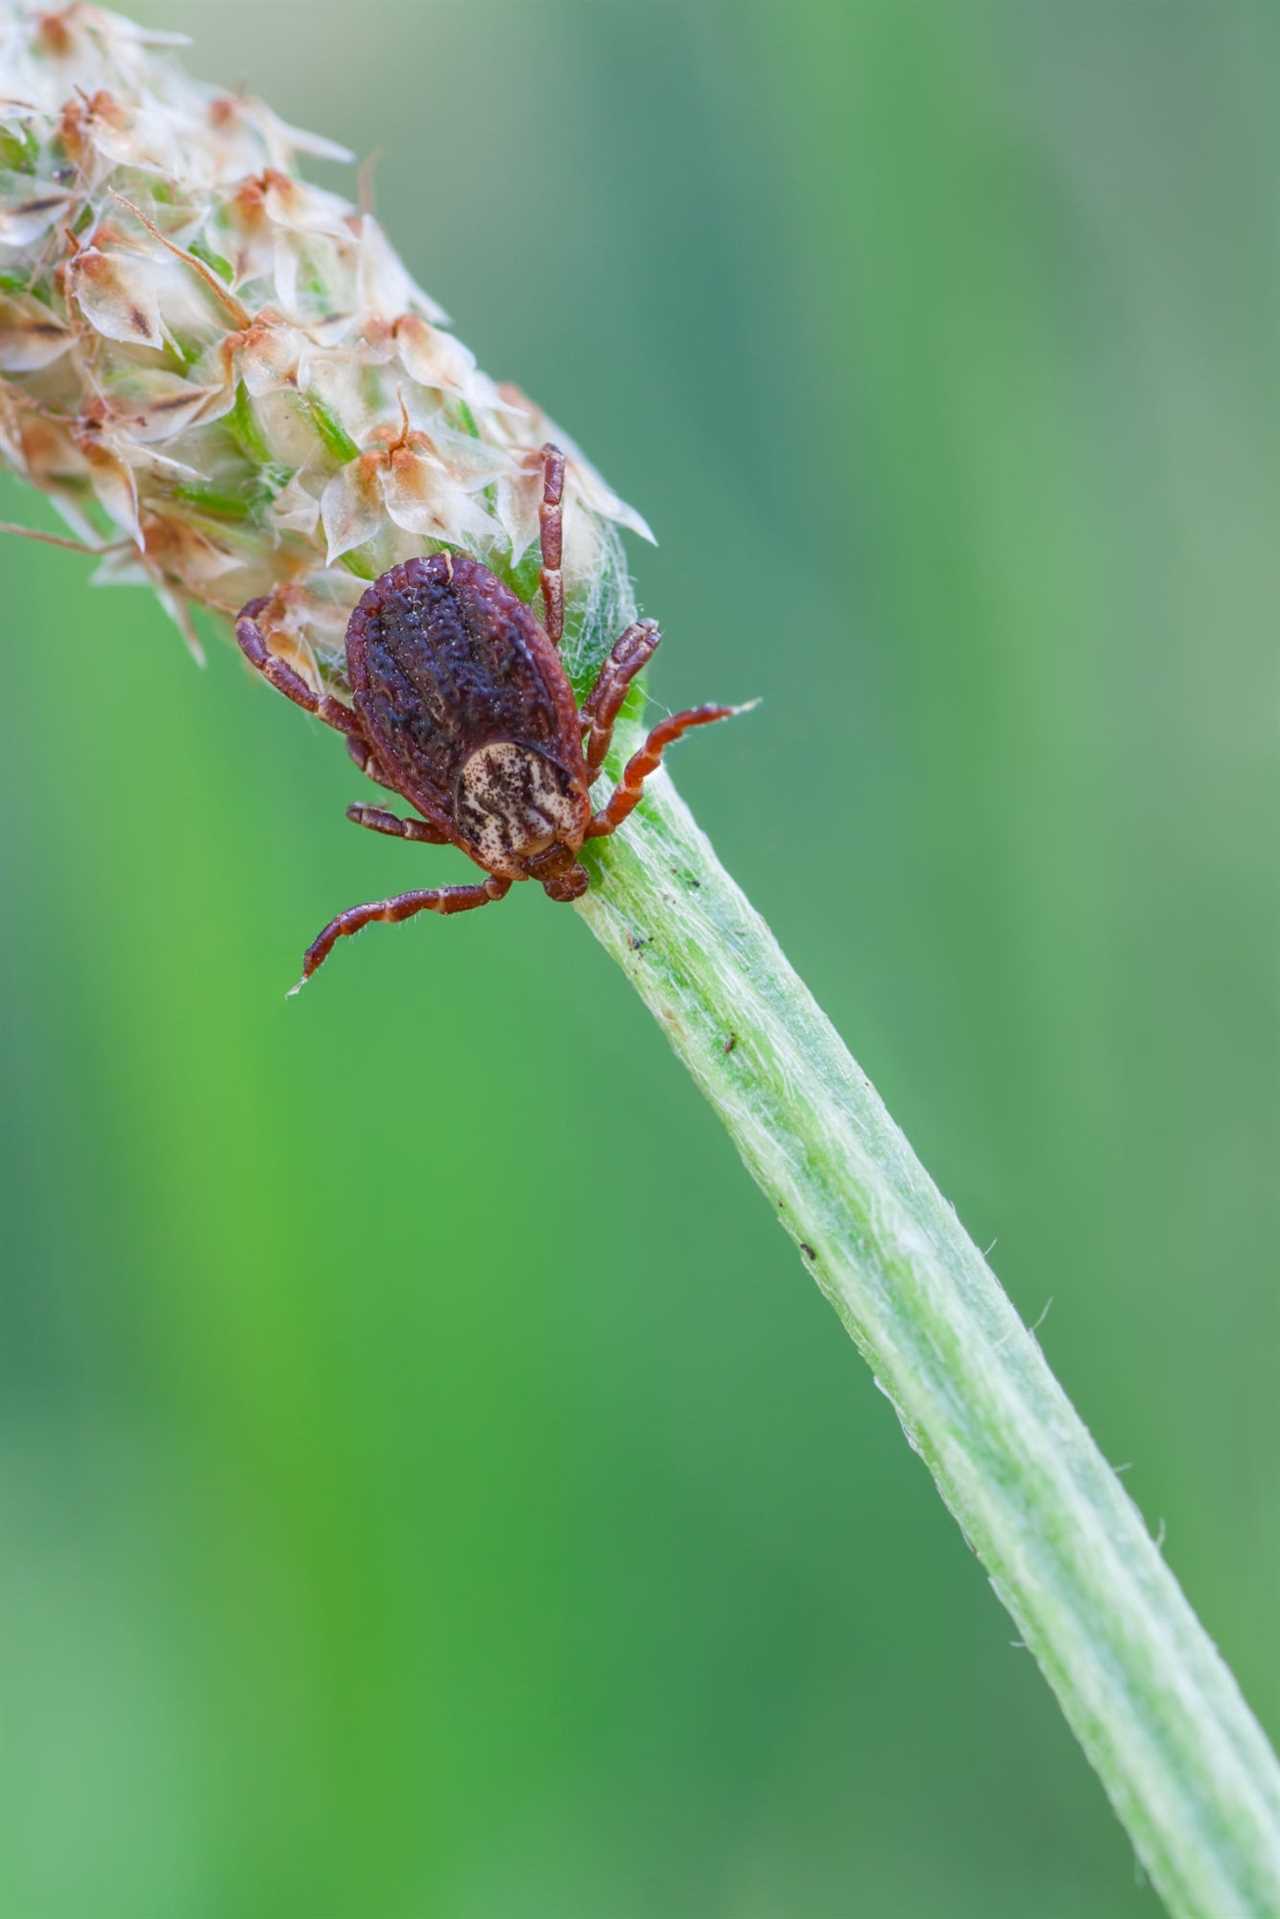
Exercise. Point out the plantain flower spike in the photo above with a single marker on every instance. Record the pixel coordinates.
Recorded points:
(224, 378)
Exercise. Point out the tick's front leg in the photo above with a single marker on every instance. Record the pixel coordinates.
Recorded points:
(631, 653)
(403, 906)
(641, 764)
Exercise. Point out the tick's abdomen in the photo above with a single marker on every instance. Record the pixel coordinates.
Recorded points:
(444, 660)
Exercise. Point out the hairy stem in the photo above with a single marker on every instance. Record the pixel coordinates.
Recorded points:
(1182, 1758)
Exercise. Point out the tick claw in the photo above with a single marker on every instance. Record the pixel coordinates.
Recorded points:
(295, 989)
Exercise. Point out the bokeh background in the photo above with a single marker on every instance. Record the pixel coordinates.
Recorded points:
(431, 1485)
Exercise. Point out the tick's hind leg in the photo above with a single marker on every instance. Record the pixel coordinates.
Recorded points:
(549, 523)
(289, 682)
(641, 764)
(402, 906)
(631, 654)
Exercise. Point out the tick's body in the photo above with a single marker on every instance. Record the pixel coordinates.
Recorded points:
(461, 704)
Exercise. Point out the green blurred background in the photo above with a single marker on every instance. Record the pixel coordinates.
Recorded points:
(431, 1485)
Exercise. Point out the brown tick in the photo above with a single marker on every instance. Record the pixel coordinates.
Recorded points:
(461, 704)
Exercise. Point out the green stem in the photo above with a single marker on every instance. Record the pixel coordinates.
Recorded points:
(1182, 1758)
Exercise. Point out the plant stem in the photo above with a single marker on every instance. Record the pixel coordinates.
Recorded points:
(1184, 1762)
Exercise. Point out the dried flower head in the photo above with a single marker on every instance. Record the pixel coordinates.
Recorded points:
(225, 378)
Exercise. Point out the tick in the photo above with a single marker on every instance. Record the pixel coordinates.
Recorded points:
(460, 703)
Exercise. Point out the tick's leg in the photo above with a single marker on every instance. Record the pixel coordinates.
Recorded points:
(403, 906)
(549, 523)
(641, 764)
(631, 653)
(286, 680)
(362, 753)
(399, 829)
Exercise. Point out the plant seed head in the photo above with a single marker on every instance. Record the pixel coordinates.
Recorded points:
(230, 371)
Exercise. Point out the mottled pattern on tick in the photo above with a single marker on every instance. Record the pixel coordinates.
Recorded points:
(444, 659)
(513, 803)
